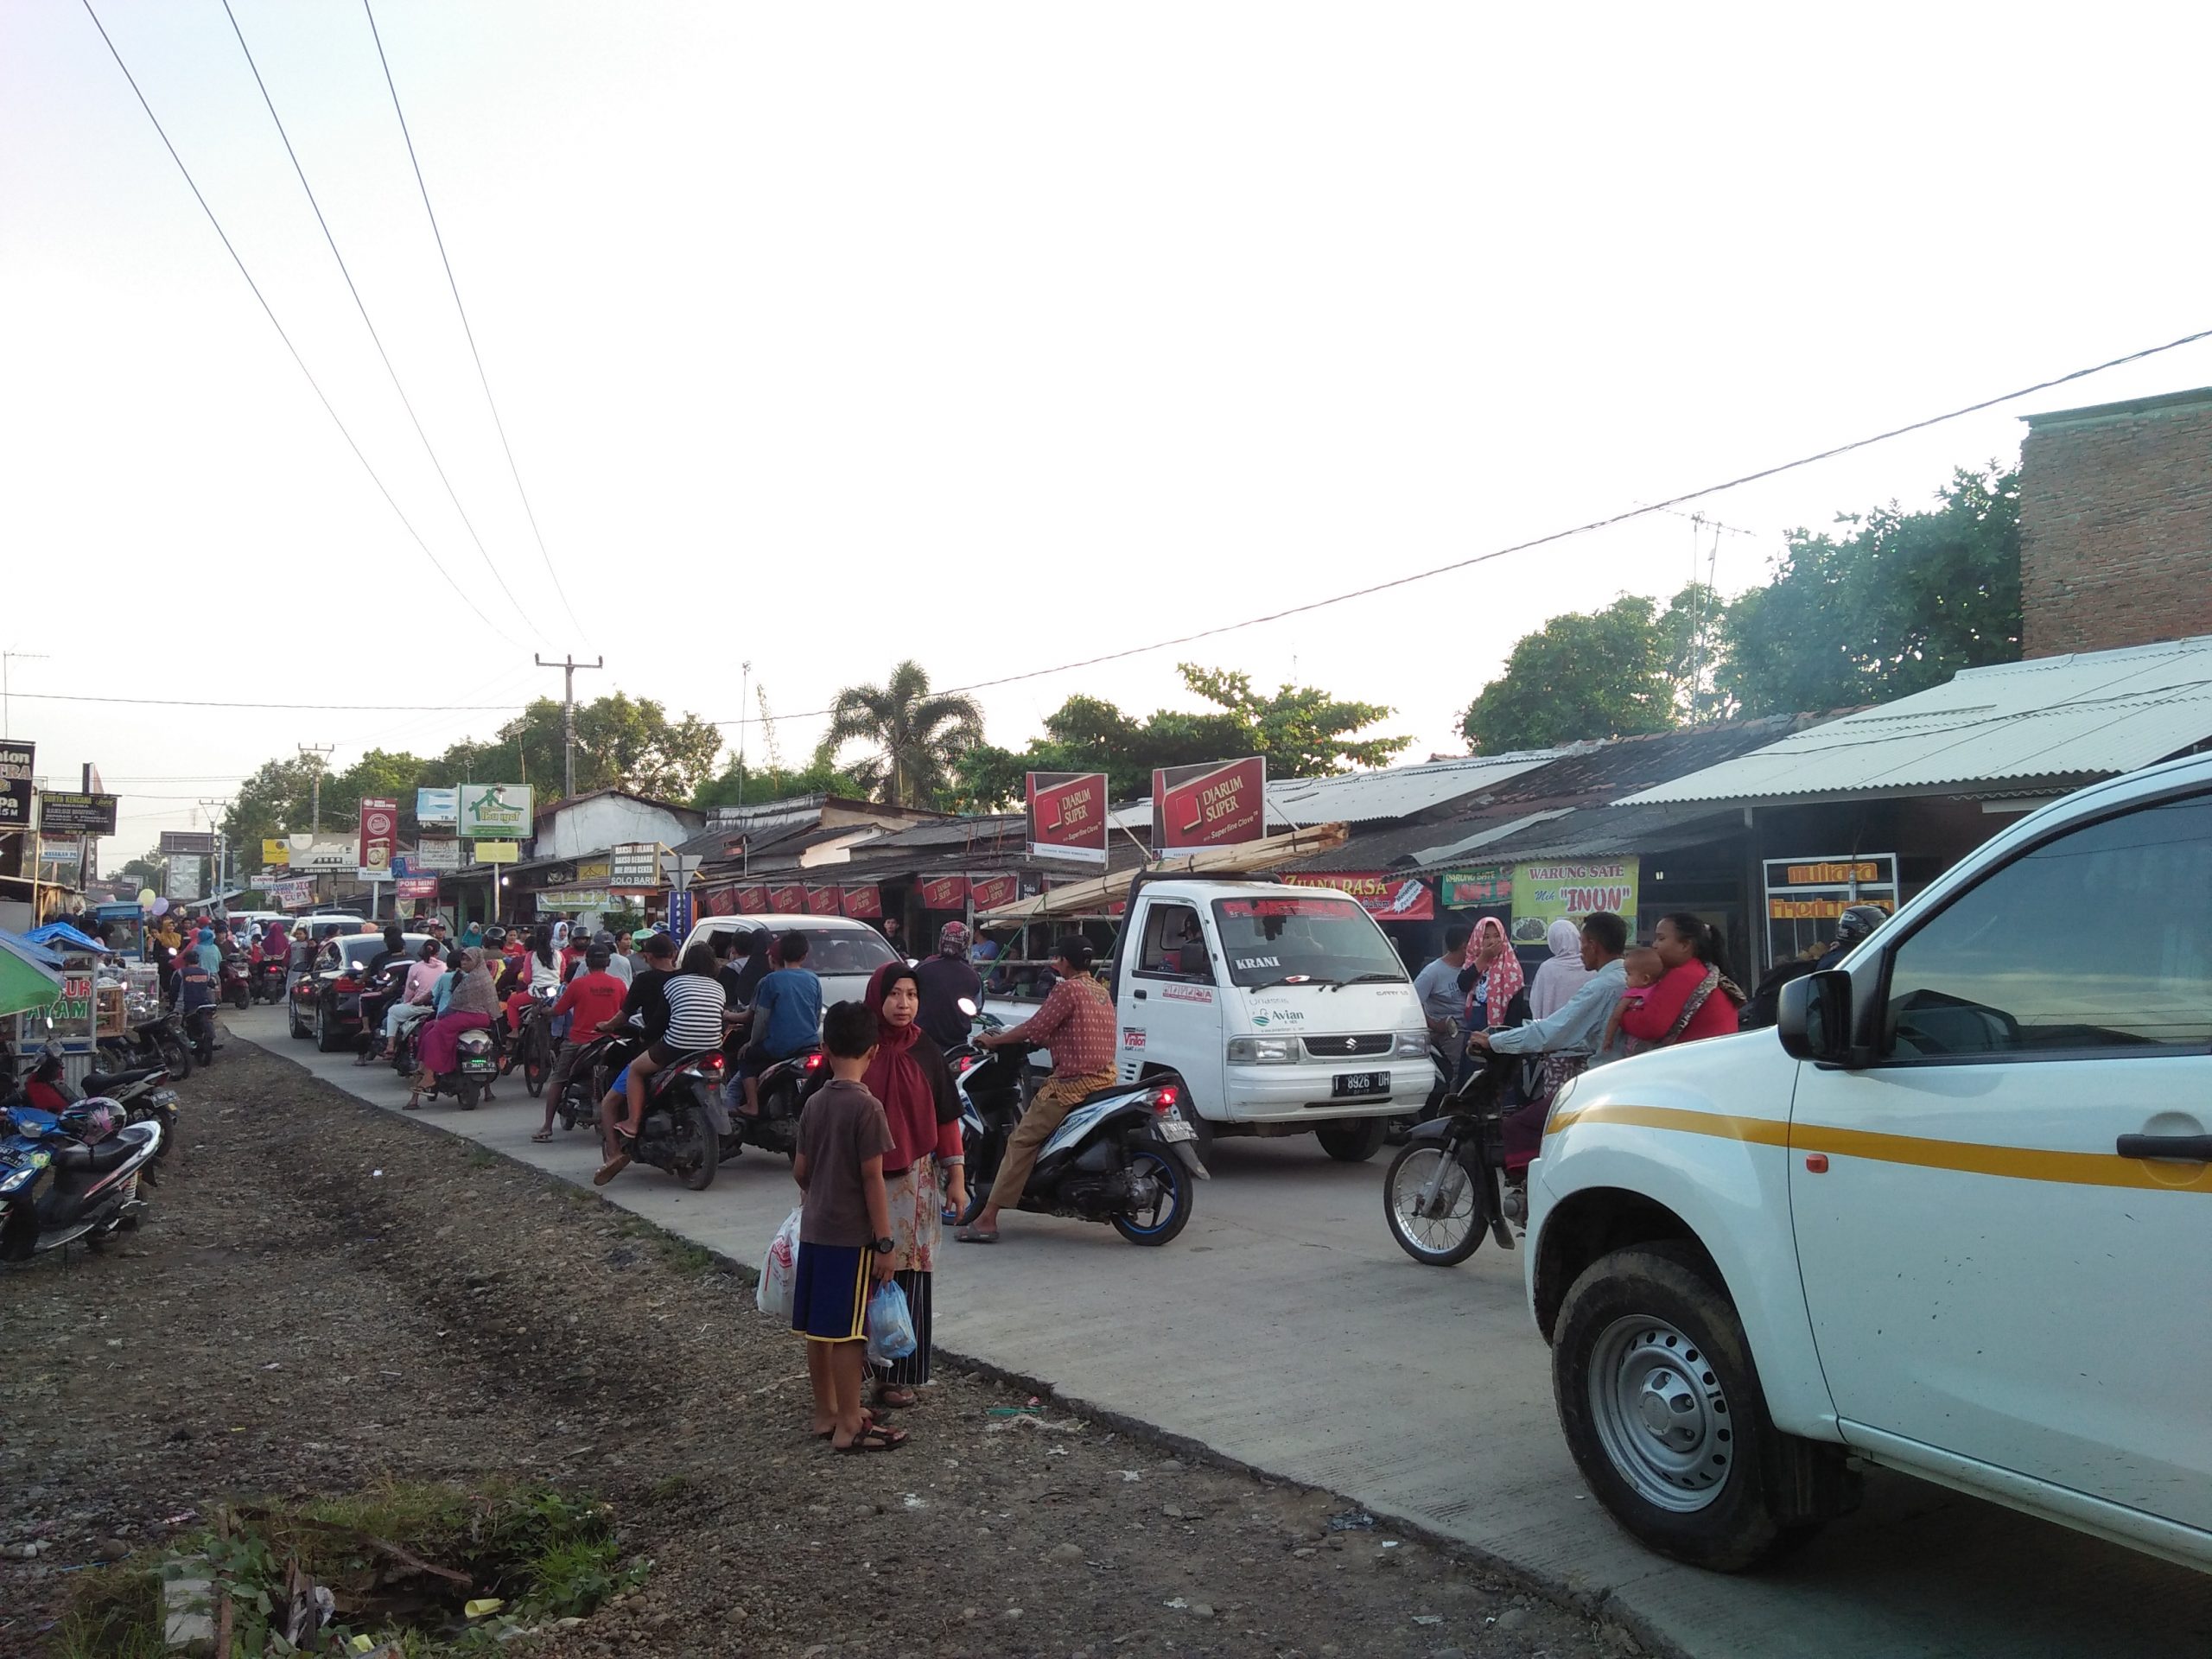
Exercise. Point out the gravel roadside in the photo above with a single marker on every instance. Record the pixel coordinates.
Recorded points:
(326, 1296)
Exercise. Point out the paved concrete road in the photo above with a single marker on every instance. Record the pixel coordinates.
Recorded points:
(1284, 1328)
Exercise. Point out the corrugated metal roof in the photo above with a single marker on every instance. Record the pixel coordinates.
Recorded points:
(1397, 791)
(2089, 715)
(1601, 832)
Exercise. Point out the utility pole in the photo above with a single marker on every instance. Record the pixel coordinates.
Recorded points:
(321, 763)
(568, 665)
(218, 875)
(744, 691)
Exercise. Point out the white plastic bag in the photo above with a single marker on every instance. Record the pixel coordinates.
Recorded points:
(890, 1325)
(780, 1271)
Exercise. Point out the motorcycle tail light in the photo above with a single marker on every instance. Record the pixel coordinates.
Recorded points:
(712, 1063)
(347, 983)
(814, 1062)
(1165, 1099)
(968, 1063)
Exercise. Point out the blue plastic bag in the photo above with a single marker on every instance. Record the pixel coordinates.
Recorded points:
(890, 1325)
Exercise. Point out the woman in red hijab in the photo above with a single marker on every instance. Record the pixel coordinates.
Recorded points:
(910, 1077)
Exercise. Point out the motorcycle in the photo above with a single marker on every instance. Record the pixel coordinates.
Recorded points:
(1448, 1185)
(532, 1048)
(160, 1040)
(232, 987)
(1125, 1154)
(266, 983)
(476, 1069)
(783, 1092)
(590, 1078)
(69, 1176)
(684, 1120)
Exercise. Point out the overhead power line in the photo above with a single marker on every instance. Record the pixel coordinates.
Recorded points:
(484, 380)
(405, 401)
(405, 523)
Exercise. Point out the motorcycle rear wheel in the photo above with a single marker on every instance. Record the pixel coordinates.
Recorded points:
(699, 1174)
(1442, 1241)
(1175, 1214)
(469, 1091)
(177, 1056)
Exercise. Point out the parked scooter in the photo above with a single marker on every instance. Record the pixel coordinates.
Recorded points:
(69, 1176)
(1124, 1156)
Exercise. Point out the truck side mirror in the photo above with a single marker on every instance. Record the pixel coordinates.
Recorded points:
(1814, 1017)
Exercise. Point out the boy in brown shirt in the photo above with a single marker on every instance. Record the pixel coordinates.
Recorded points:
(844, 1242)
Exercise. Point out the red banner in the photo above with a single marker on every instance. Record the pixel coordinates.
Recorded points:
(1209, 805)
(944, 892)
(822, 901)
(789, 901)
(864, 903)
(752, 901)
(989, 892)
(379, 836)
(720, 901)
(417, 887)
(1067, 815)
(1384, 894)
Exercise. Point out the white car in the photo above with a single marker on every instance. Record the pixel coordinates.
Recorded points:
(843, 953)
(1954, 1215)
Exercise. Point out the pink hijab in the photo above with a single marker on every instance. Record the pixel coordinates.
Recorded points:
(1505, 977)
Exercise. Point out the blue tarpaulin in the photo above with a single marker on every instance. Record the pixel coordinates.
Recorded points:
(61, 933)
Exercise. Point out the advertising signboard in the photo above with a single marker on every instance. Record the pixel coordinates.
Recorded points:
(944, 892)
(417, 887)
(275, 852)
(293, 893)
(720, 901)
(1211, 805)
(566, 899)
(1805, 895)
(1386, 895)
(76, 815)
(822, 901)
(183, 882)
(635, 867)
(322, 853)
(680, 913)
(497, 852)
(1484, 887)
(500, 810)
(437, 806)
(788, 900)
(1547, 893)
(16, 767)
(188, 843)
(753, 901)
(989, 892)
(864, 903)
(442, 853)
(1067, 816)
(379, 837)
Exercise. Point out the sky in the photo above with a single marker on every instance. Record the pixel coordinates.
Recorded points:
(1002, 336)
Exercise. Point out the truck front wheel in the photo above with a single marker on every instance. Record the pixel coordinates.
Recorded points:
(1355, 1141)
(1663, 1410)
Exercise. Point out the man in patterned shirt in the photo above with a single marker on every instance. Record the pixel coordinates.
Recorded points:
(1077, 1023)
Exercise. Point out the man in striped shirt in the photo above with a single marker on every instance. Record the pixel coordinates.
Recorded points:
(695, 1005)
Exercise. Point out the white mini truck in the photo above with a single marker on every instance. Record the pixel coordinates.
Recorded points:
(1276, 1009)
(1954, 1215)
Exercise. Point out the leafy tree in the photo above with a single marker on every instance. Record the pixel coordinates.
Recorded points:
(917, 738)
(278, 800)
(739, 783)
(1303, 731)
(146, 870)
(1600, 675)
(1900, 602)
(622, 742)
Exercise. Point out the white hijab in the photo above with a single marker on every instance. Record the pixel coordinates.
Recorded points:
(1559, 978)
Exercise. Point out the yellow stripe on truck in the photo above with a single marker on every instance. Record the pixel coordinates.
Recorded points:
(1969, 1157)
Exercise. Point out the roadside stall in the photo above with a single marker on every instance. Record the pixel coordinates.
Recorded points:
(30, 981)
(71, 1018)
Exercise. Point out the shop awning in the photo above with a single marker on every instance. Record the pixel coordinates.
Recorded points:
(30, 975)
(1095, 897)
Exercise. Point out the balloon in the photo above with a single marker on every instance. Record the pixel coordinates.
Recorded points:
(161, 907)
(145, 898)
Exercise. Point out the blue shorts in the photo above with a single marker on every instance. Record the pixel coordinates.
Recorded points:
(829, 1288)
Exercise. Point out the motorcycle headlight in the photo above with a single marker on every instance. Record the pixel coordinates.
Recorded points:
(15, 1178)
(1412, 1045)
(1262, 1050)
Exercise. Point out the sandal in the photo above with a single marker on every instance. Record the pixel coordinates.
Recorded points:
(611, 1169)
(973, 1235)
(867, 1422)
(874, 1438)
(543, 1134)
(897, 1399)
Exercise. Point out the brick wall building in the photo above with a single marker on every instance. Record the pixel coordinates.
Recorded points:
(2116, 525)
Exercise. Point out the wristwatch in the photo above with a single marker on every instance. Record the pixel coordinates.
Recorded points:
(886, 1246)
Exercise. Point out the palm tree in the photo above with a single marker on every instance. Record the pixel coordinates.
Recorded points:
(916, 737)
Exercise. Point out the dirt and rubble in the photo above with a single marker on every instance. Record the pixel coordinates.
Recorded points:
(325, 1297)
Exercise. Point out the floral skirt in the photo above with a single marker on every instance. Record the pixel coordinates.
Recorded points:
(917, 1200)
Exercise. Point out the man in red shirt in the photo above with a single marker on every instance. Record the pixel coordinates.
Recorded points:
(589, 1000)
(1077, 1023)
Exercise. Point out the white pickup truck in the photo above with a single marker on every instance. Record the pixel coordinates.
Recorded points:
(1279, 1010)
(1953, 1217)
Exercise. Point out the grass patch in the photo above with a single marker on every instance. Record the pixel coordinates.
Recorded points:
(401, 1562)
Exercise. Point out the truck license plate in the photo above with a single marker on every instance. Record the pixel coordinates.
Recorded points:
(1347, 1084)
(1174, 1128)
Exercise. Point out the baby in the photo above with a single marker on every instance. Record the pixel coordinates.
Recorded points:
(1644, 969)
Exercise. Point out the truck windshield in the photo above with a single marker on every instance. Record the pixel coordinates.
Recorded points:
(1320, 939)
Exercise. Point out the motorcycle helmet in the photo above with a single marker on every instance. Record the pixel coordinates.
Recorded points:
(494, 938)
(1856, 923)
(952, 940)
(94, 1120)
